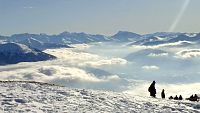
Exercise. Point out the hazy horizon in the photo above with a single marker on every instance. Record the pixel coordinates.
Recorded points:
(9, 35)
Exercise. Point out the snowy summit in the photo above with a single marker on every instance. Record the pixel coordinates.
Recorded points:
(34, 97)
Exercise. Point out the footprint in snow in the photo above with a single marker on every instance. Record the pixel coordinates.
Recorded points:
(22, 101)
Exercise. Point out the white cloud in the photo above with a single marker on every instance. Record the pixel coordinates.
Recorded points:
(72, 56)
(69, 73)
(28, 7)
(188, 53)
(81, 46)
(112, 61)
(150, 67)
(67, 76)
(157, 55)
(69, 70)
(162, 45)
(82, 59)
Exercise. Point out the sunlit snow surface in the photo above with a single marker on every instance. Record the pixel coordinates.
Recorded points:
(35, 97)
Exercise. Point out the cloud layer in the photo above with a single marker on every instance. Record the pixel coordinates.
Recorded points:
(77, 68)
(172, 44)
(158, 55)
(70, 69)
(150, 68)
(188, 53)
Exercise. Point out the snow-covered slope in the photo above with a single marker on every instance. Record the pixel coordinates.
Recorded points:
(168, 38)
(33, 43)
(77, 38)
(145, 53)
(11, 53)
(25, 97)
(14, 48)
(71, 38)
(62, 38)
(124, 36)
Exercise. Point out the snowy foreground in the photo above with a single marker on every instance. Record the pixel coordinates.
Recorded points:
(33, 97)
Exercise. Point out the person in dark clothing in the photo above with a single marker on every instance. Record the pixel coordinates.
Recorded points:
(195, 98)
(152, 89)
(191, 97)
(163, 93)
(171, 97)
(176, 97)
(180, 97)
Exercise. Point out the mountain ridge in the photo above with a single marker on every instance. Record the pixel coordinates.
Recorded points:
(65, 38)
(12, 53)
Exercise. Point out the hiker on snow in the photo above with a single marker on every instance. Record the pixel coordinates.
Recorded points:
(152, 89)
(163, 94)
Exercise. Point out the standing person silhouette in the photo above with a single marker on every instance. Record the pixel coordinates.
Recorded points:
(152, 89)
(163, 94)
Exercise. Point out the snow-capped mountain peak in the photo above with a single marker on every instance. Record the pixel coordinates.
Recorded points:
(14, 48)
(12, 53)
(125, 36)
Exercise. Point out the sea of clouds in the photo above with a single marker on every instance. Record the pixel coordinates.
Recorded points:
(98, 66)
(69, 69)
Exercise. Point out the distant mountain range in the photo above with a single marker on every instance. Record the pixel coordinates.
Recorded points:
(44, 41)
(12, 53)
(161, 38)
(34, 43)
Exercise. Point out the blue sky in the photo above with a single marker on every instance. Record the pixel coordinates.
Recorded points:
(97, 16)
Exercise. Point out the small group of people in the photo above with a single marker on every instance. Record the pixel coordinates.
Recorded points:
(176, 97)
(193, 98)
(152, 91)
